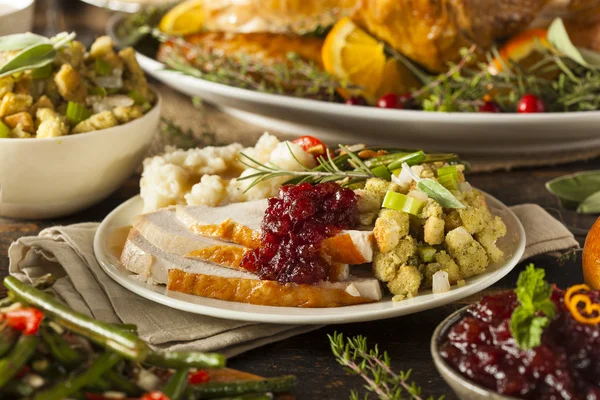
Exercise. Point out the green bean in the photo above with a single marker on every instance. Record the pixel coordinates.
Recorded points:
(411, 159)
(125, 343)
(8, 337)
(175, 388)
(173, 359)
(60, 349)
(211, 390)
(72, 385)
(14, 361)
(122, 384)
(18, 388)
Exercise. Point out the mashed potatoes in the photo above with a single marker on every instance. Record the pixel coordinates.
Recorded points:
(208, 176)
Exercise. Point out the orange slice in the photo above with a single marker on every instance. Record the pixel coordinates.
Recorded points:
(524, 48)
(183, 19)
(354, 57)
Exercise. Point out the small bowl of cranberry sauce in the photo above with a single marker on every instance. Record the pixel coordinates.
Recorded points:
(475, 353)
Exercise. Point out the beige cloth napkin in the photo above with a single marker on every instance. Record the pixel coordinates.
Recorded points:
(67, 252)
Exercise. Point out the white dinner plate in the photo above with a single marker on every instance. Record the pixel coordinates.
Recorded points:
(340, 123)
(513, 245)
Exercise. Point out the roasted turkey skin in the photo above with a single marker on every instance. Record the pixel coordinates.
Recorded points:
(266, 293)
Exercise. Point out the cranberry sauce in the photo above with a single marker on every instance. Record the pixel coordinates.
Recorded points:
(565, 366)
(293, 228)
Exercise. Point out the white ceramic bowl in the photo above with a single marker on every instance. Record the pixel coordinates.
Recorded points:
(16, 16)
(47, 178)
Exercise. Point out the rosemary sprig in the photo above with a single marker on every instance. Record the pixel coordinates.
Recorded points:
(327, 171)
(374, 368)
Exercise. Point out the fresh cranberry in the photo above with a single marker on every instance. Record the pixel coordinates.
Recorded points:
(530, 104)
(407, 100)
(489, 107)
(390, 100)
(356, 101)
(294, 225)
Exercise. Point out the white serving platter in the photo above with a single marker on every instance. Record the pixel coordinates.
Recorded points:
(466, 133)
(513, 245)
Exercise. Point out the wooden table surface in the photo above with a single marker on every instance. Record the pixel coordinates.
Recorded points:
(308, 356)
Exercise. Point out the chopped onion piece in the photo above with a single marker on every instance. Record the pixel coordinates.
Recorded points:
(403, 179)
(417, 194)
(440, 282)
(109, 102)
(109, 82)
(417, 170)
(465, 187)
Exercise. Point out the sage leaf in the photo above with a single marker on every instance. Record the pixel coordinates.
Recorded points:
(559, 38)
(575, 188)
(35, 56)
(20, 41)
(437, 192)
(591, 205)
(434, 189)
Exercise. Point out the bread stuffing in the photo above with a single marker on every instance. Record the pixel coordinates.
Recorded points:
(78, 92)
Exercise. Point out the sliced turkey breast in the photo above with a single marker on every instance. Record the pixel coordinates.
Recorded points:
(240, 223)
(165, 231)
(152, 263)
(209, 280)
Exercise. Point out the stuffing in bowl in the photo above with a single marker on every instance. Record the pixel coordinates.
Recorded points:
(74, 123)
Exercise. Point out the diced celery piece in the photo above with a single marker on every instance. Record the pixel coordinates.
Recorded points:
(77, 112)
(450, 169)
(401, 202)
(449, 181)
(382, 172)
(102, 67)
(42, 73)
(426, 253)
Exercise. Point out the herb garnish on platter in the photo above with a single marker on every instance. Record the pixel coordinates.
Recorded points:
(535, 310)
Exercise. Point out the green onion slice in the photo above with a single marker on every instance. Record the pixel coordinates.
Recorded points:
(426, 253)
(382, 172)
(137, 98)
(411, 159)
(77, 112)
(449, 181)
(401, 202)
(4, 130)
(102, 67)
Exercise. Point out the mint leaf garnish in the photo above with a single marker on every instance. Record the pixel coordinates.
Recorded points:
(535, 310)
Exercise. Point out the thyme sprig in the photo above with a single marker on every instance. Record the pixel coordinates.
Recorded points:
(329, 169)
(374, 368)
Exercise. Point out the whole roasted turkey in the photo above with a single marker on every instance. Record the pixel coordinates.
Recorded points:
(430, 32)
